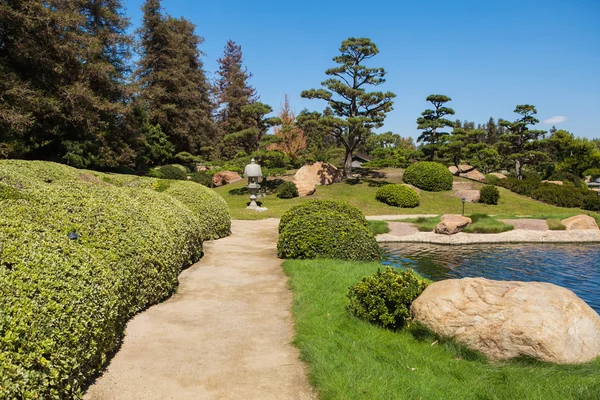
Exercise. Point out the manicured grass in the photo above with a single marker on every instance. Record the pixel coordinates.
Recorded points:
(483, 223)
(361, 194)
(351, 359)
(378, 227)
(424, 224)
(555, 225)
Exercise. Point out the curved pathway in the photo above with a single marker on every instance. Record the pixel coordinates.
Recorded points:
(225, 334)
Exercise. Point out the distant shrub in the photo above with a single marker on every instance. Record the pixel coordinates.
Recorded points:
(559, 195)
(202, 177)
(316, 206)
(274, 171)
(489, 194)
(430, 176)
(398, 196)
(169, 172)
(591, 201)
(593, 173)
(567, 177)
(287, 190)
(492, 180)
(385, 298)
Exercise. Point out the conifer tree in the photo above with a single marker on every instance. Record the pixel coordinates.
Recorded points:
(290, 137)
(355, 112)
(172, 81)
(432, 120)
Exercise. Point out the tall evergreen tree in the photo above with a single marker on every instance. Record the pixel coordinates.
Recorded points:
(519, 144)
(62, 75)
(172, 81)
(432, 120)
(356, 112)
(233, 90)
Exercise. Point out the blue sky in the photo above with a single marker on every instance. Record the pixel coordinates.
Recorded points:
(488, 56)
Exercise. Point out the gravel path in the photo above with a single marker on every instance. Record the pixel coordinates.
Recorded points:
(225, 334)
(402, 228)
(530, 224)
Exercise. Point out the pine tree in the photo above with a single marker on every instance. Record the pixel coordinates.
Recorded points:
(356, 112)
(291, 139)
(172, 81)
(233, 90)
(432, 120)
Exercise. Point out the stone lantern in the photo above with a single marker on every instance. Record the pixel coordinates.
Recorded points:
(253, 173)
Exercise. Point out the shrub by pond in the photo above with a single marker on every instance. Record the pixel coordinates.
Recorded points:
(428, 175)
(64, 303)
(398, 196)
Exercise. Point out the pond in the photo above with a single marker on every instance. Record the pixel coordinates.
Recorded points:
(575, 267)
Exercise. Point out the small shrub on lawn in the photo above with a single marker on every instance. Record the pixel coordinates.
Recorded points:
(287, 190)
(169, 172)
(316, 206)
(385, 298)
(489, 195)
(430, 176)
(325, 233)
(398, 196)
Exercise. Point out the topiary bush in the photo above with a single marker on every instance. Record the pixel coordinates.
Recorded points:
(287, 190)
(169, 172)
(64, 303)
(320, 230)
(591, 201)
(398, 196)
(316, 206)
(430, 176)
(559, 195)
(489, 195)
(385, 298)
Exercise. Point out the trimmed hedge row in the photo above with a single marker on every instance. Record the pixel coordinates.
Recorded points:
(319, 230)
(64, 303)
(398, 196)
(429, 175)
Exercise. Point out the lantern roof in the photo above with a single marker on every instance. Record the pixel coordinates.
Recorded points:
(252, 170)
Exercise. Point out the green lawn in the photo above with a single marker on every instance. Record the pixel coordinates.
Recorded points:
(350, 359)
(362, 195)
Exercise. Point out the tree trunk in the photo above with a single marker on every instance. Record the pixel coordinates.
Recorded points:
(519, 169)
(348, 165)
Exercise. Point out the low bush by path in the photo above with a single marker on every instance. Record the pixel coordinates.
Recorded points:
(352, 359)
(64, 301)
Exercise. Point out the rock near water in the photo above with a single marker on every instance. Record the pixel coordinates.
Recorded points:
(452, 224)
(580, 222)
(507, 319)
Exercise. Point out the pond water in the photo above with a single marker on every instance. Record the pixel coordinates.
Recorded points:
(576, 267)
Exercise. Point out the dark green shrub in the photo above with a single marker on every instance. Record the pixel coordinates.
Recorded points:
(287, 190)
(492, 180)
(64, 303)
(385, 298)
(566, 177)
(203, 178)
(593, 173)
(559, 195)
(591, 201)
(489, 194)
(327, 234)
(274, 171)
(398, 196)
(317, 206)
(168, 172)
(430, 176)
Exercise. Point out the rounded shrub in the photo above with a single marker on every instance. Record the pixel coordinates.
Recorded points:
(489, 194)
(385, 298)
(398, 196)
(317, 206)
(169, 172)
(492, 180)
(428, 175)
(287, 190)
(202, 178)
(327, 234)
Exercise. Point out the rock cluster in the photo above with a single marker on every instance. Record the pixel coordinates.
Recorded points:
(225, 178)
(474, 174)
(504, 319)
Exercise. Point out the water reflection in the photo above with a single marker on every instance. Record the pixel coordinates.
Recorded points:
(576, 267)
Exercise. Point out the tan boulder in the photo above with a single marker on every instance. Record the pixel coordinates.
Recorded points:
(498, 175)
(471, 196)
(226, 177)
(305, 188)
(474, 174)
(560, 183)
(451, 224)
(319, 173)
(580, 222)
(507, 319)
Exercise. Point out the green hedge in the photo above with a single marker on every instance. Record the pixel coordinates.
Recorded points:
(287, 190)
(314, 206)
(398, 196)
(321, 231)
(64, 303)
(428, 175)
(489, 194)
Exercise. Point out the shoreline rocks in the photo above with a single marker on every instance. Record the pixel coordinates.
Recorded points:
(452, 224)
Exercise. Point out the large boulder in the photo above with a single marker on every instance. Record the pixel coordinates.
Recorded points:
(225, 177)
(451, 224)
(471, 196)
(498, 175)
(305, 188)
(504, 319)
(580, 222)
(560, 183)
(473, 174)
(318, 173)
